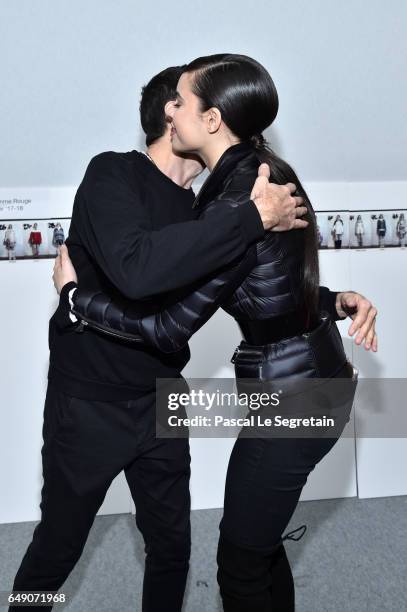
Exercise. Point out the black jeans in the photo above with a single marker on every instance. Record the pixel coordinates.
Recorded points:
(86, 444)
(263, 485)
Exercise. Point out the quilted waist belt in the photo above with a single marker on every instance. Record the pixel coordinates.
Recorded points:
(319, 353)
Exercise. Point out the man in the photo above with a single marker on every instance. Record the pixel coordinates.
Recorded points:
(132, 234)
(132, 227)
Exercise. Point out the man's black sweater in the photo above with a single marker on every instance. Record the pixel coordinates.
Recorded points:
(134, 234)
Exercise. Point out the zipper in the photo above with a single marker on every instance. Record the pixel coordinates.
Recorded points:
(197, 199)
(245, 351)
(235, 354)
(84, 322)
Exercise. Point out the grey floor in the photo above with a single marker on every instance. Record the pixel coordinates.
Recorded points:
(353, 558)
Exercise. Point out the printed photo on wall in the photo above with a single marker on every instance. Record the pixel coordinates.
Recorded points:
(388, 228)
(399, 228)
(372, 229)
(322, 229)
(380, 229)
(34, 239)
(339, 230)
(333, 229)
(360, 230)
(31, 239)
(8, 241)
(57, 233)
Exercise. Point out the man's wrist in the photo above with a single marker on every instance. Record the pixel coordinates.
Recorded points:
(250, 222)
(272, 219)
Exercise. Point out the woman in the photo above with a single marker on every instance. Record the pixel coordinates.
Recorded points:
(58, 236)
(359, 230)
(337, 231)
(10, 242)
(401, 230)
(381, 230)
(35, 240)
(224, 104)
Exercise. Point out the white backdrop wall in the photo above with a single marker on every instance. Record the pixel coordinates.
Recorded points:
(71, 74)
(71, 79)
(30, 299)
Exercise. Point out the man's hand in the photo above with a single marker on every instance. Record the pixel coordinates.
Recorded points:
(278, 209)
(64, 272)
(363, 313)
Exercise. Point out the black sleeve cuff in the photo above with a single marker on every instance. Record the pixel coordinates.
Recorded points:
(61, 315)
(327, 302)
(250, 222)
(63, 296)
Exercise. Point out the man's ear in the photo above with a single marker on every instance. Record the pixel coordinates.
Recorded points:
(213, 120)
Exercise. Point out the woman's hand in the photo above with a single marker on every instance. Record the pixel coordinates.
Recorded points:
(363, 313)
(64, 272)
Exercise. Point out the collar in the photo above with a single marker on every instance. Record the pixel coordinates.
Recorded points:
(224, 166)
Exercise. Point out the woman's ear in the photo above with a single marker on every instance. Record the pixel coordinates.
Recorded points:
(213, 120)
(169, 110)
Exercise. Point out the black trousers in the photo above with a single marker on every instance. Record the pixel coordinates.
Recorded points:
(264, 481)
(86, 444)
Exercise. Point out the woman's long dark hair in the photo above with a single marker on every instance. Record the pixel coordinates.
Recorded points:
(246, 96)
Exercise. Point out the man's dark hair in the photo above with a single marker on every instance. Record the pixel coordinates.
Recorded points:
(154, 96)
